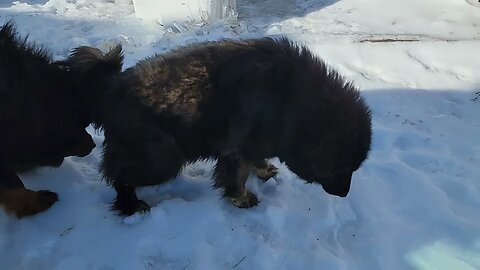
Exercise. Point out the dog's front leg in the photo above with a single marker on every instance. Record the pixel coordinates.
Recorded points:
(18, 200)
(133, 159)
(231, 174)
(126, 202)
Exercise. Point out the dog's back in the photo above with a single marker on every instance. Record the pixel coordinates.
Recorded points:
(223, 93)
(19, 65)
(240, 92)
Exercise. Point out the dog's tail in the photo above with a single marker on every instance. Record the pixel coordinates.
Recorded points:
(92, 64)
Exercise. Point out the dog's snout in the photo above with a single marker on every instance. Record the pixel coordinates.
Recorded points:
(339, 185)
(81, 147)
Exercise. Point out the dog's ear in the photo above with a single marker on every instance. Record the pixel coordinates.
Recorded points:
(93, 63)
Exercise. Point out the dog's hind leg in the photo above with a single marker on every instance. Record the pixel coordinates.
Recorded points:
(231, 174)
(265, 170)
(18, 200)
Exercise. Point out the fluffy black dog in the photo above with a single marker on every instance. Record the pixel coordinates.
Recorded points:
(237, 101)
(41, 121)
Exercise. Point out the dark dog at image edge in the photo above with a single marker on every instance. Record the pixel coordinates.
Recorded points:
(41, 121)
(240, 102)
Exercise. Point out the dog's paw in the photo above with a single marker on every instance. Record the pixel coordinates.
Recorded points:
(130, 207)
(134, 219)
(246, 201)
(46, 198)
(267, 172)
(22, 202)
(43, 201)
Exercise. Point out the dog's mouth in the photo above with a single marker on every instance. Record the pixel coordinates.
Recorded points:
(50, 161)
(31, 165)
(55, 162)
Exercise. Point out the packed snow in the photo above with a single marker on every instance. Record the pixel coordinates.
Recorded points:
(414, 204)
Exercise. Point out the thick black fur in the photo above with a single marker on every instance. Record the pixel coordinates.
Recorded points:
(237, 101)
(41, 120)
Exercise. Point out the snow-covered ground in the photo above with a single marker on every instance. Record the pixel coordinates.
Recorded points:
(414, 204)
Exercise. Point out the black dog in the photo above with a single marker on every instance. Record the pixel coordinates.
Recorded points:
(238, 101)
(40, 118)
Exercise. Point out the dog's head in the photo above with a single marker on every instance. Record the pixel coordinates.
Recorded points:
(47, 117)
(328, 125)
(331, 160)
(53, 117)
(331, 146)
(63, 121)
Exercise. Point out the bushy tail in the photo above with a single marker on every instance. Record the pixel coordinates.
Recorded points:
(93, 64)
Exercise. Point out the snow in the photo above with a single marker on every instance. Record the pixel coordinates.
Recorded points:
(414, 204)
(168, 13)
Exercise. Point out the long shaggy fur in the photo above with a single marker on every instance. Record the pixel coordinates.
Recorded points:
(237, 101)
(41, 120)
